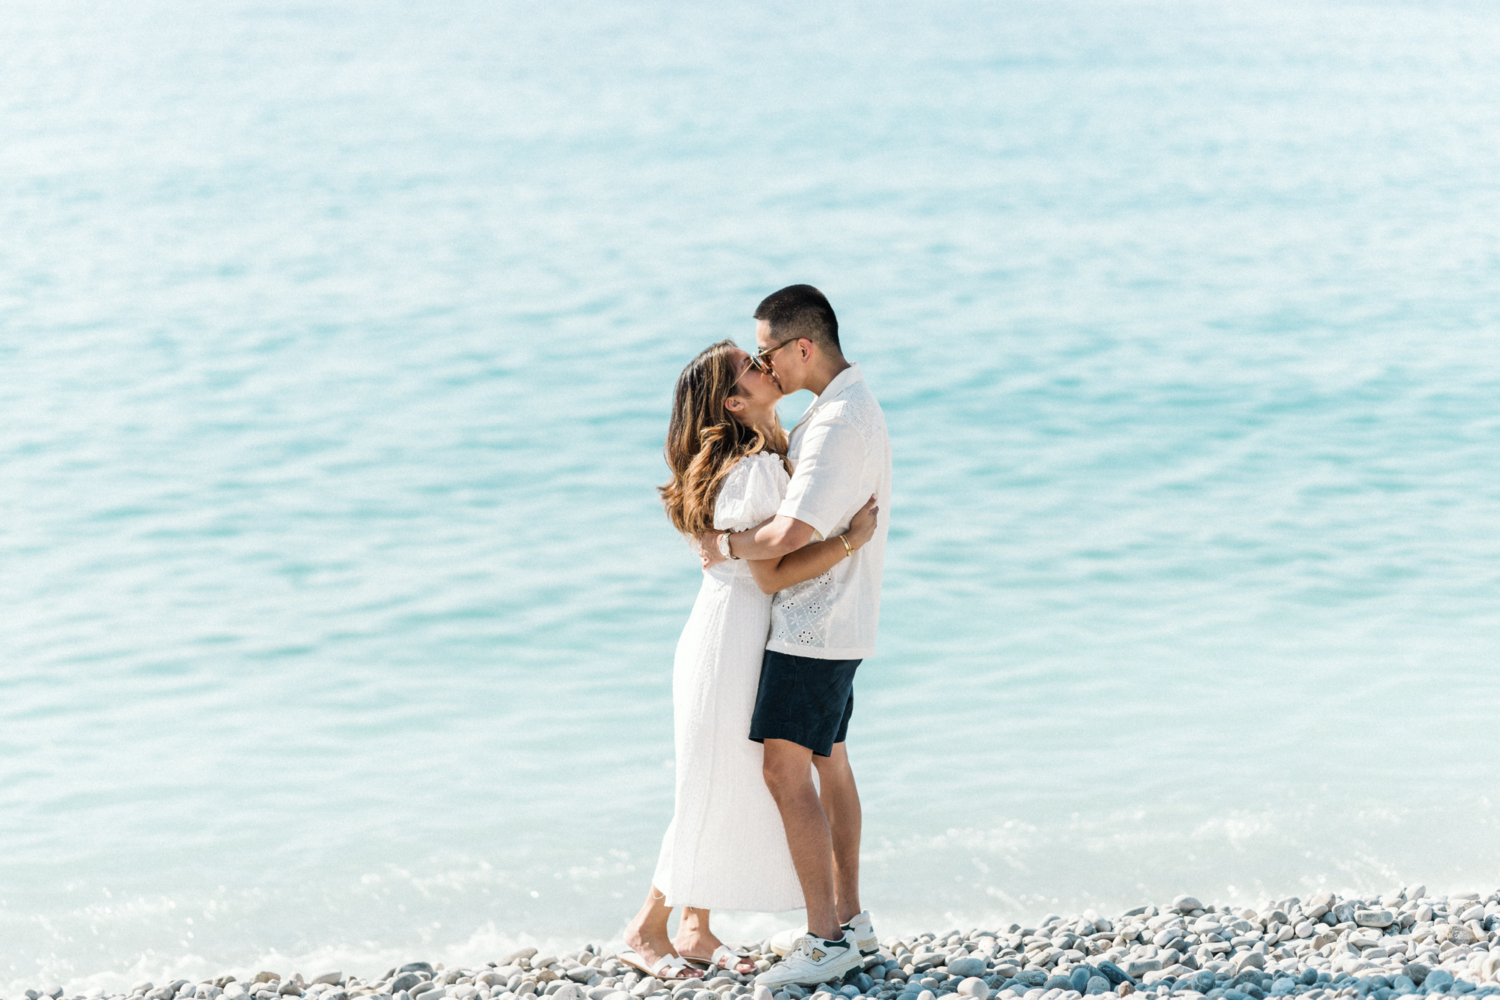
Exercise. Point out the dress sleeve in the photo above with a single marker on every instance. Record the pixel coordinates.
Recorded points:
(751, 492)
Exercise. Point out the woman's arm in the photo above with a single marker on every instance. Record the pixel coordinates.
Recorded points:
(816, 559)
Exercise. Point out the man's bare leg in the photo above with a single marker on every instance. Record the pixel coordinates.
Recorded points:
(840, 800)
(789, 777)
(646, 934)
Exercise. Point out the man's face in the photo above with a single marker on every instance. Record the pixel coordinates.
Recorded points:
(784, 364)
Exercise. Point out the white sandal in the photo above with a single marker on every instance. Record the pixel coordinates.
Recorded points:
(724, 957)
(668, 968)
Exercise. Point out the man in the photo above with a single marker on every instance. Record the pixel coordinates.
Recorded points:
(820, 629)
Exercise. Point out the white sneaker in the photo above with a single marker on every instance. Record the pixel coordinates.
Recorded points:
(813, 961)
(859, 925)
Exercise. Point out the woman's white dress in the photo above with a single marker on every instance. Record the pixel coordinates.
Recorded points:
(726, 848)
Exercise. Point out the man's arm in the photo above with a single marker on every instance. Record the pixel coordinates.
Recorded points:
(771, 539)
(824, 487)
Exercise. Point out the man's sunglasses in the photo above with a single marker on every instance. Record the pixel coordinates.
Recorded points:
(762, 359)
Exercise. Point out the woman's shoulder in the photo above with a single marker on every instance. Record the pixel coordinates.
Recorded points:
(762, 463)
(753, 484)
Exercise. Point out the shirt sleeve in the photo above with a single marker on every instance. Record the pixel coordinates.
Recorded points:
(825, 486)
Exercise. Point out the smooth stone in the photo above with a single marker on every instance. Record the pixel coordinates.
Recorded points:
(405, 981)
(1058, 983)
(1248, 960)
(1309, 976)
(427, 966)
(651, 984)
(1079, 977)
(1095, 986)
(1032, 978)
(974, 987)
(1113, 972)
(329, 978)
(1141, 966)
(1374, 918)
(1186, 904)
(966, 967)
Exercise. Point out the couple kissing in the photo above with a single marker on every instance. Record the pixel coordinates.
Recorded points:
(788, 530)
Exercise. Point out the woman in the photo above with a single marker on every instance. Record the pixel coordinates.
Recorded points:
(725, 847)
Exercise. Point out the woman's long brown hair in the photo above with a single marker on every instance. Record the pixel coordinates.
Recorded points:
(704, 440)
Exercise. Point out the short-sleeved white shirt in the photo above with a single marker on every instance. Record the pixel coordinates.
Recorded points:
(841, 456)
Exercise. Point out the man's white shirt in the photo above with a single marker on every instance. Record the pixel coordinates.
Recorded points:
(841, 456)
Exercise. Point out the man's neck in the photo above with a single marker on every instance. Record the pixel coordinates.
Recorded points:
(825, 371)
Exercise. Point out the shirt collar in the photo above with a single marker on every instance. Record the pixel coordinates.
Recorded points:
(841, 383)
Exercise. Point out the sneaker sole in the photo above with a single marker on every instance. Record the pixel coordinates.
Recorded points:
(827, 976)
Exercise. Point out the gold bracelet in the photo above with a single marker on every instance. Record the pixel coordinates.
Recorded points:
(847, 549)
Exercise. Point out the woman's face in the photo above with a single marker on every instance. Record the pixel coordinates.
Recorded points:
(755, 394)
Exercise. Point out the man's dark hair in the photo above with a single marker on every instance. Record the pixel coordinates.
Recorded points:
(799, 311)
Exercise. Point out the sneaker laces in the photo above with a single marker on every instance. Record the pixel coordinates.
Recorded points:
(807, 942)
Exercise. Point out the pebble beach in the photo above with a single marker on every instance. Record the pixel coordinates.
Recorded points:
(1324, 946)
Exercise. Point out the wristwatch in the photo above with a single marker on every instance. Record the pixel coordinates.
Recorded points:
(724, 546)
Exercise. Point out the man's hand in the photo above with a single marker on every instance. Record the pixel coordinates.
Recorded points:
(707, 545)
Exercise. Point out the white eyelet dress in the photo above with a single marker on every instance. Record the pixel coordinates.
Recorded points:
(726, 848)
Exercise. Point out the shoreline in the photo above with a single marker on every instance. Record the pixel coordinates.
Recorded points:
(1326, 946)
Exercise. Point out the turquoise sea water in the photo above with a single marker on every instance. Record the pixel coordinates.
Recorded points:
(336, 607)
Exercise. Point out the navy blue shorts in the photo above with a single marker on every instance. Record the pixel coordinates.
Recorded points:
(804, 700)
